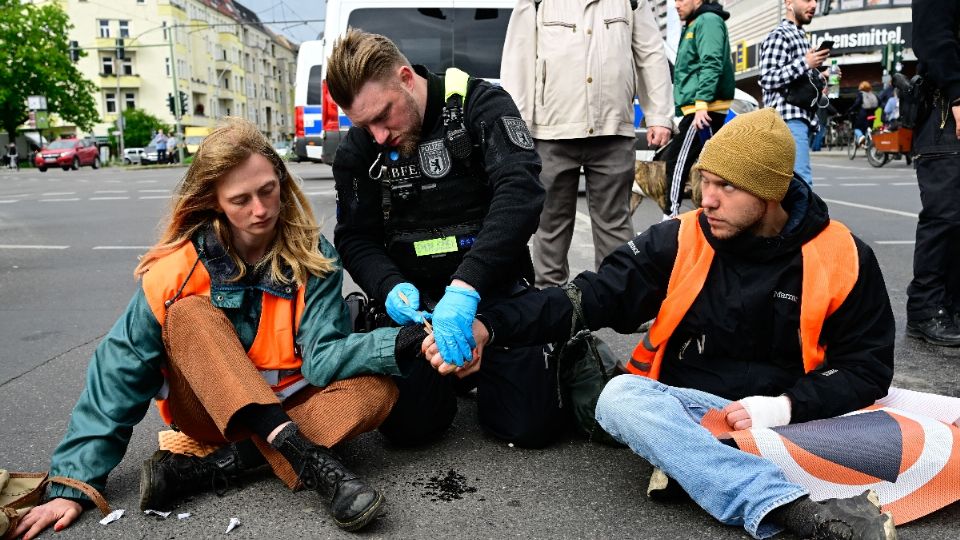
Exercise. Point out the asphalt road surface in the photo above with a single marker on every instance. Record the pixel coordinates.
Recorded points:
(69, 241)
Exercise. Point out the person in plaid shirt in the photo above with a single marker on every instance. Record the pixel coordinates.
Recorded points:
(785, 56)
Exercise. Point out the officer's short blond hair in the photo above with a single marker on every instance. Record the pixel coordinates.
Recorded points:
(357, 58)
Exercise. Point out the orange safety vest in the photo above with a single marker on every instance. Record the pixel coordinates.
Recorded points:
(272, 348)
(830, 269)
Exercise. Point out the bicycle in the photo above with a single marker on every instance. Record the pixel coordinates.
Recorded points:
(853, 144)
(838, 131)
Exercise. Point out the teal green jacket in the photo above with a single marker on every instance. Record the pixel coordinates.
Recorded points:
(704, 69)
(124, 372)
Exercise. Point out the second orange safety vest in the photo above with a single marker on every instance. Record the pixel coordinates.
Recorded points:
(830, 270)
(272, 348)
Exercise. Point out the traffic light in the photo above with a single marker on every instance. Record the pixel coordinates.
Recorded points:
(897, 57)
(183, 103)
(827, 6)
(171, 105)
(120, 52)
(74, 51)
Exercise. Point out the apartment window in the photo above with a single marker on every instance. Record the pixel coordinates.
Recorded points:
(141, 1)
(106, 65)
(166, 65)
(110, 102)
(164, 24)
(130, 100)
(126, 66)
(124, 29)
(104, 28)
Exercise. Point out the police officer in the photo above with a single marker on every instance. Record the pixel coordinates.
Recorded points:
(438, 193)
(933, 297)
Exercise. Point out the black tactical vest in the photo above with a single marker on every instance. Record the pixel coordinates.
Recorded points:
(433, 201)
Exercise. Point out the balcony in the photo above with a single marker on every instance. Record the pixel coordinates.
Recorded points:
(126, 81)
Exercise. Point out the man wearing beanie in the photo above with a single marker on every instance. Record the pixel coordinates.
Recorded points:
(733, 286)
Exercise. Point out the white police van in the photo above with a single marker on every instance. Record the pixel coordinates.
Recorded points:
(308, 142)
(438, 34)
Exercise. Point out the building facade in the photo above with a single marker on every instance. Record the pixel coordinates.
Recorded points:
(216, 52)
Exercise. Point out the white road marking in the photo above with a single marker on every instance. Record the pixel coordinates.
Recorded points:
(583, 218)
(30, 246)
(863, 184)
(9, 201)
(896, 242)
(315, 193)
(60, 200)
(146, 181)
(154, 197)
(903, 183)
(874, 208)
(139, 248)
(109, 198)
(111, 181)
(110, 191)
(153, 191)
(56, 193)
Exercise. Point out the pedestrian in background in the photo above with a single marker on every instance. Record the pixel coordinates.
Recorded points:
(160, 142)
(573, 69)
(703, 88)
(933, 297)
(786, 57)
(864, 106)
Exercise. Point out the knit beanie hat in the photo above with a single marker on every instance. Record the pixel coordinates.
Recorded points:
(754, 152)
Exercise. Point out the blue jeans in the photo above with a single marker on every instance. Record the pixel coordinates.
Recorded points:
(661, 424)
(801, 135)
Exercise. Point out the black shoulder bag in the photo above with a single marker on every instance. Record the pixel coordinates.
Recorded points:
(584, 366)
(806, 92)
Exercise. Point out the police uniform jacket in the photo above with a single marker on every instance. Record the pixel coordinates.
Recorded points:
(741, 335)
(507, 170)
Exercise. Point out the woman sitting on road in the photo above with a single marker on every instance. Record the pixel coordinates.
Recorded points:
(240, 325)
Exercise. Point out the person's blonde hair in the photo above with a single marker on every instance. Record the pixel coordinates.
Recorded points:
(357, 58)
(195, 205)
(865, 86)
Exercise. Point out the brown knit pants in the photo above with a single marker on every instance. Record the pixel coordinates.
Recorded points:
(211, 378)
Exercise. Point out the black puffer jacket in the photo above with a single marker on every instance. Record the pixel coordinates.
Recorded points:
(740, 337)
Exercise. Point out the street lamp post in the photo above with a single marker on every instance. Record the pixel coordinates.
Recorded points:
(178, 113)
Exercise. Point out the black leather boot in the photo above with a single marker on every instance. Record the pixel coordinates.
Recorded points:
(166, 477)
(940, 329)
(352, 502)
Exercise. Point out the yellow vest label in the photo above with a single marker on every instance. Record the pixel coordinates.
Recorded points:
(435, 246)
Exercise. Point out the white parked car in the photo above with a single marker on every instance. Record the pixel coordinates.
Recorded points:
(283, 150)
(133, 156)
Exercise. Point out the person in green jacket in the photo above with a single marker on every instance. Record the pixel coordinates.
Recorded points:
(240, 327)
(703, 88)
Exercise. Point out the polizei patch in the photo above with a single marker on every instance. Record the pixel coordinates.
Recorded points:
(517, 132)
(434, 159)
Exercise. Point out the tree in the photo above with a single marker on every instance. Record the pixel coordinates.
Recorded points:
(36, 61)
(138, 128)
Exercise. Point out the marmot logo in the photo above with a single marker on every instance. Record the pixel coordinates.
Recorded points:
(784, 296)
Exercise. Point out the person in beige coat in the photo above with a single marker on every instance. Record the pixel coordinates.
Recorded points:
(573, 67)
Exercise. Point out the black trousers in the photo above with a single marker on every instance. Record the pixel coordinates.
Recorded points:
(936, 256)
(683, 152)
(517, 397)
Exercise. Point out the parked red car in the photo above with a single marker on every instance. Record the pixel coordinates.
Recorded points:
(68, 154)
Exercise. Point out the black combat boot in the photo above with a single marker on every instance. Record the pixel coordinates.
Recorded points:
(941, 329)
(853, 518)
(167, 477)
(352, 502)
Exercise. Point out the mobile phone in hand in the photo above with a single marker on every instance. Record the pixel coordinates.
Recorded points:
(825, 45)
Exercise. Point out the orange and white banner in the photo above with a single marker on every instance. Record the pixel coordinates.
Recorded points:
(908, 454)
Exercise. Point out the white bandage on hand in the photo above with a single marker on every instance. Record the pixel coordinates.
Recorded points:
(766, 411)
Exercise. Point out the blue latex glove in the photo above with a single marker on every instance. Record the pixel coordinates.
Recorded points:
(453, 324)
(402, 312)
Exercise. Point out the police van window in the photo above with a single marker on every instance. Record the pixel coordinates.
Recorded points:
(470, 39)
(314, 85)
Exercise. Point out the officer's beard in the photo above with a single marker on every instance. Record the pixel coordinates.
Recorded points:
(410, 140)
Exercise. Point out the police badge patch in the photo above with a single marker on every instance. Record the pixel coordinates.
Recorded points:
(434, 159)
(517, 132)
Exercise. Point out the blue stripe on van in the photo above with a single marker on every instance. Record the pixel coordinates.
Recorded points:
(312, 120)
(345, 122)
